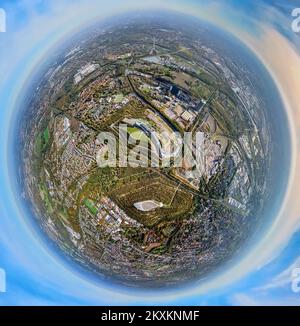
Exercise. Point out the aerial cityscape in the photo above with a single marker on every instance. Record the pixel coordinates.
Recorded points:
(154, 217)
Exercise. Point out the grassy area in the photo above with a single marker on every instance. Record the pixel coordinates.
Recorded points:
(137, 134)
(201, 90)
(90, 206)
(118, 98)
(104, 179)
(45, 197)
(178, 204)
(42, 142)
(46, 136)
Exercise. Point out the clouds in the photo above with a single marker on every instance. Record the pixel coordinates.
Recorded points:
(283, 279)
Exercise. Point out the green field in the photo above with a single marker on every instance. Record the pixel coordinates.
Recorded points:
(137, 134)
(118, 98)
(42, 141)
(90, 206)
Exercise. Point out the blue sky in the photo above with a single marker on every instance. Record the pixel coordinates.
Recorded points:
(34, 275)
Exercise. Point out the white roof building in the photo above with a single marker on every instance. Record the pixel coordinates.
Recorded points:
(187, 116)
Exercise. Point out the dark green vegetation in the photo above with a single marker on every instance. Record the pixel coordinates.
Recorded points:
(42, 142)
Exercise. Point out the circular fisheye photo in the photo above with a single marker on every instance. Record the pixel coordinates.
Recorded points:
(149, 145)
